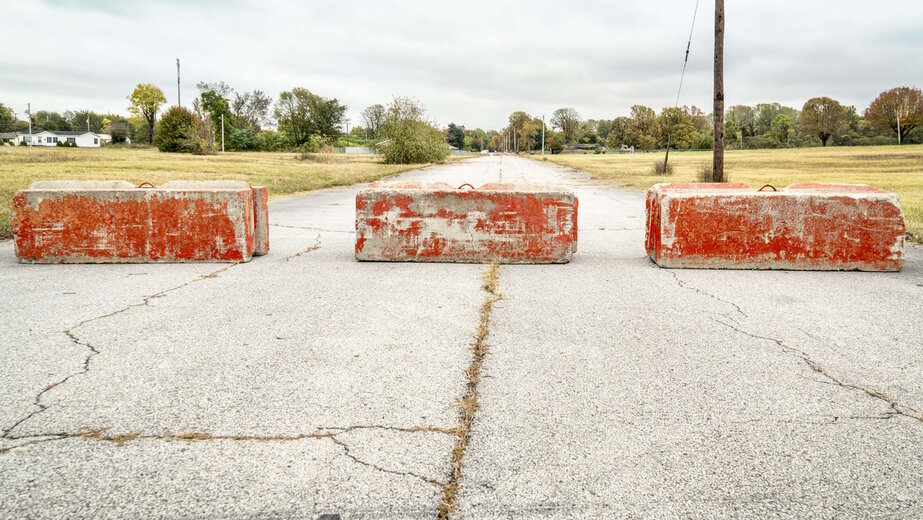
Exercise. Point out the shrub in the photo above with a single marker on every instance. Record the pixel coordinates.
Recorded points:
(408, 137)
(663, 169)
(242, 139)
(706, 173)
(179, 130)
(269, 141)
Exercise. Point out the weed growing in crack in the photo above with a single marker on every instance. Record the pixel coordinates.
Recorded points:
(468, 404)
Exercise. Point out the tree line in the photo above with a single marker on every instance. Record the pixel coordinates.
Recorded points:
(895, 116)
(302, 120)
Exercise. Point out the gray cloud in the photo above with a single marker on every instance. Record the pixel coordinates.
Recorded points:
(472, 63)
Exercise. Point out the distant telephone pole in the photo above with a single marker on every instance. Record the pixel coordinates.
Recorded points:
(29, 111)
(179, 102)
(718, 162)
(543, 135)
(222, 133)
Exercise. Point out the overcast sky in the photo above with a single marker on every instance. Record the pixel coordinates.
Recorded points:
(469, 62)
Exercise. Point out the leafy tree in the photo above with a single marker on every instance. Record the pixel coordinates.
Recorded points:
(621, 133)
(78, 120)
(214, 105)
(554, 143)
(119, 131)
(7, 119)
(904, 104)
(678, 127)
(586, 132)
(146, 101)
(409, 137)
(823, 117)
(567, 120)
(646, 127)
(455, 136)
(301, 113)
(44, 120)
(373, 116)
(251, 109)
(782, 128)
(603, 128)
(745, 119)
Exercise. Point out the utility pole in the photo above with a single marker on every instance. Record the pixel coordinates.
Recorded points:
(29, 111)
(88, 120)
(718, 162)
(179, 102)
(222, 133)
(515, 142)
(347, 134)
(543, 135)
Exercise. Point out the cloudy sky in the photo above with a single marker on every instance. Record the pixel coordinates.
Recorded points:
(469, 62)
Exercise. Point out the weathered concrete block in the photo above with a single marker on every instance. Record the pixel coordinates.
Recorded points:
(115, 222)
(804, 227)
(261, 220)
(434, 222)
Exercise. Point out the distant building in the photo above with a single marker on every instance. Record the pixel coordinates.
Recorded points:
(7, 138)
(82, 139)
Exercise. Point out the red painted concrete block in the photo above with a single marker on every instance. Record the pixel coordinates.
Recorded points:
(435, 222)
(804, 227)
(261, 220)
(116, 222)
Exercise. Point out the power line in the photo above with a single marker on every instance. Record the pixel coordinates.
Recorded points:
(681, 78)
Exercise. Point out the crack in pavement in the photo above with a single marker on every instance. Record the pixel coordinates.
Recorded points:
(315, 247)
(351, 231)
(468, 404)
(93, 351)
(896, 407)
(99, 434)
(357, 460)
(686, 285)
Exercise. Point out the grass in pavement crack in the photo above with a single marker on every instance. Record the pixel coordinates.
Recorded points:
(468, 404)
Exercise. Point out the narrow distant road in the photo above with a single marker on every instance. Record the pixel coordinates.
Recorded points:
(305, 383)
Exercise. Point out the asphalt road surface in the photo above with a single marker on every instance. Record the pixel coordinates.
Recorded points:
(304, 383)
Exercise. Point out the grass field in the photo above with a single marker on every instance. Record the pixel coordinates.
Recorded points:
(897, 169)
(281, 173)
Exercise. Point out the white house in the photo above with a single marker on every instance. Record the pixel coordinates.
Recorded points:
(82, 139)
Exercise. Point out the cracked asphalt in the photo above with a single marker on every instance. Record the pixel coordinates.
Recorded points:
(305, 383)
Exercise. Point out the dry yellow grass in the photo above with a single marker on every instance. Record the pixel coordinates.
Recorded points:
(893, 168)
(281, 173)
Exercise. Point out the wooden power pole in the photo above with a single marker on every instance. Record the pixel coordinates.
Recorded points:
(718, 164)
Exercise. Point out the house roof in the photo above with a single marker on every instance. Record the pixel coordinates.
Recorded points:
(58, 132)
(5, 135)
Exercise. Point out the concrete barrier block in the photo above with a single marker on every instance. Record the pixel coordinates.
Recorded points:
(803, 227)
(116, 222)
(261, 220)
(435, 222)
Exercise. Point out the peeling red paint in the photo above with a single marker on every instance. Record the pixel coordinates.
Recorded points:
(434, 222)
(64, 224)
(804, 226)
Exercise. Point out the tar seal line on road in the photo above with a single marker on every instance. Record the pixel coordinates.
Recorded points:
(469, 403)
